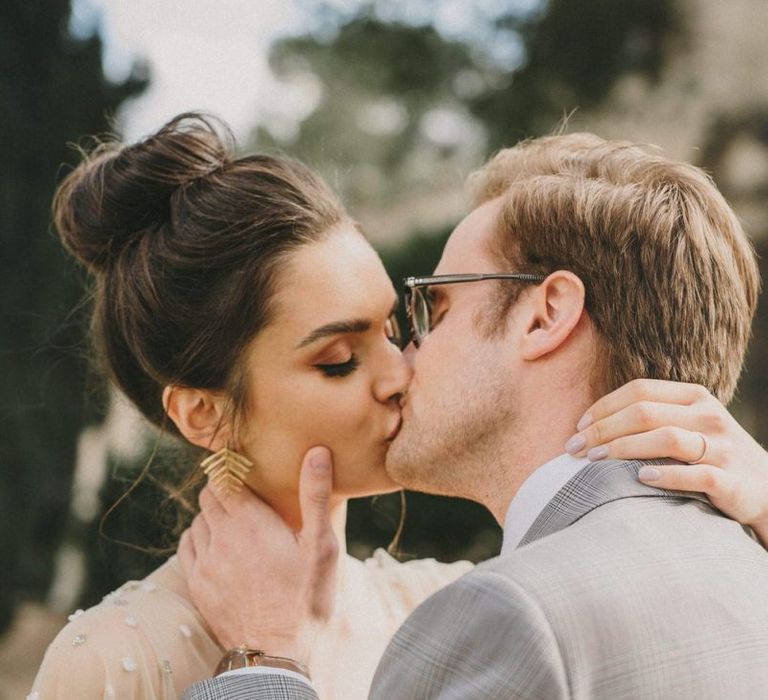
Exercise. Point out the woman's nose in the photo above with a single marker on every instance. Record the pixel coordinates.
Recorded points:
(394, 377)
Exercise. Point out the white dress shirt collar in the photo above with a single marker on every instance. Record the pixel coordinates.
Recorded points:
(532, 497)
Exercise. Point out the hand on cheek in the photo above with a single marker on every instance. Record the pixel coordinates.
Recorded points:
(254, 579)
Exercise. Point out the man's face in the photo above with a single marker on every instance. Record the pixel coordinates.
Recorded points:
(461, 399)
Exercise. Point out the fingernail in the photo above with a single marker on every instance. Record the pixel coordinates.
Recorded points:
(597, 453)
(319, 460)
(649, 474)
(575, 445)
(584, 422)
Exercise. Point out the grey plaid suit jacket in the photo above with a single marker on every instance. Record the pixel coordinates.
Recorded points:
(618, 591)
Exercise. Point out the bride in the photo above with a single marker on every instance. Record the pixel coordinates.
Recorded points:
(207, 268)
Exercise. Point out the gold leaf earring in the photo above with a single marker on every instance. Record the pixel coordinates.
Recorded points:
(226, 470)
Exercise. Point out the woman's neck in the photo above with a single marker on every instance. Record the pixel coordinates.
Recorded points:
(290, 512)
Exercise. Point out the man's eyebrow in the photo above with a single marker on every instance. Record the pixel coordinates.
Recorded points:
(357, 325)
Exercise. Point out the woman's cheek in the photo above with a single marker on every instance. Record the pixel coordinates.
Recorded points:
(333, 413)
(356, 410)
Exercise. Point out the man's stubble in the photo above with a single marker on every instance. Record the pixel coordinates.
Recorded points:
(458, 446)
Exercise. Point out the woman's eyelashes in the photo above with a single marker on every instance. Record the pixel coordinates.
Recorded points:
(339, 369)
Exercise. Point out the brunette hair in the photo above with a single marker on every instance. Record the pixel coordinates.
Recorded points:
(185, 242)
(671, 278)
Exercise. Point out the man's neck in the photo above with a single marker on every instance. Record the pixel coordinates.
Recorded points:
(540, 439)
(535, 493)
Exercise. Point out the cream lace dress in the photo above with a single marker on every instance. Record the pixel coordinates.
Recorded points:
(146, 641)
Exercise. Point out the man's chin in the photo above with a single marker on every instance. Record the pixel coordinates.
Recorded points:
(404, 464)
(394, 463)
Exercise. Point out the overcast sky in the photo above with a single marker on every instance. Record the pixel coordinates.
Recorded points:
(212, 54)
(202, 54)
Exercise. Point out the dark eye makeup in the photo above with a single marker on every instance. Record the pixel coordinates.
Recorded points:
(340, 369)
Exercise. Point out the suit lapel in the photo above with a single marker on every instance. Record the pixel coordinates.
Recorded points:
(595, 485)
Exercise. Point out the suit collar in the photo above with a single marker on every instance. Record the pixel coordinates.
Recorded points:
(595, 485)
(532, 497)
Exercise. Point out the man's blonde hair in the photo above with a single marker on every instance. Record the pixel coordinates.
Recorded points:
(671, 278)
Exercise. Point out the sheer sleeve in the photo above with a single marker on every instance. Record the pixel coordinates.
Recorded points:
(100, 656)
(145, 641)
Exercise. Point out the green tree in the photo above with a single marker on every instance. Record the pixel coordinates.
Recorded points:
(573, 54)
(726, 131)
(379, 81)
(401, 104)
(53, 91)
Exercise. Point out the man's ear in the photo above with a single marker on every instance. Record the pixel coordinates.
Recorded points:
(197, 414)
(553, 311)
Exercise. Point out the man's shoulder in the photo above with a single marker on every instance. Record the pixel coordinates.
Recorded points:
(629, 542)
(627, 527)
(596, 603)
(633, 543)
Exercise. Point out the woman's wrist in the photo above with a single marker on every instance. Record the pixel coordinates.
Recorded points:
(275, 645)
(245, 657)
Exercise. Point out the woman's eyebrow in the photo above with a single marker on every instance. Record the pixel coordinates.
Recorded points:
(355, 325)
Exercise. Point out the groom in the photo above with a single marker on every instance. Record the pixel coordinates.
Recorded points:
(605, 588)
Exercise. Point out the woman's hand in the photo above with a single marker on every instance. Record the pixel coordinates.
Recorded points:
(649, 418)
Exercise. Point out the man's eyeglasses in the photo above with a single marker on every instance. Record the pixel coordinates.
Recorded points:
(418, 299)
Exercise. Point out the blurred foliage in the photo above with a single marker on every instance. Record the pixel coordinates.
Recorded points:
(399, 70)
(753, 391)
(402, 104)
(737, 129)
(142, 521)
(574, 53)
(53, 91)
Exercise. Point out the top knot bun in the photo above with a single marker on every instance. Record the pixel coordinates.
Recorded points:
(118, 194)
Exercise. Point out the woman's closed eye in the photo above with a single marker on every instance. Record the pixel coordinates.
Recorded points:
(339, 369)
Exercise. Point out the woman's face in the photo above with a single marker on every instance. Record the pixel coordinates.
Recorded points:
(325, 372)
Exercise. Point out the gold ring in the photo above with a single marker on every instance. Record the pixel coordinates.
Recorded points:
(705, 447)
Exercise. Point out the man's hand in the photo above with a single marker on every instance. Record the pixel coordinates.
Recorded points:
(253, 579)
